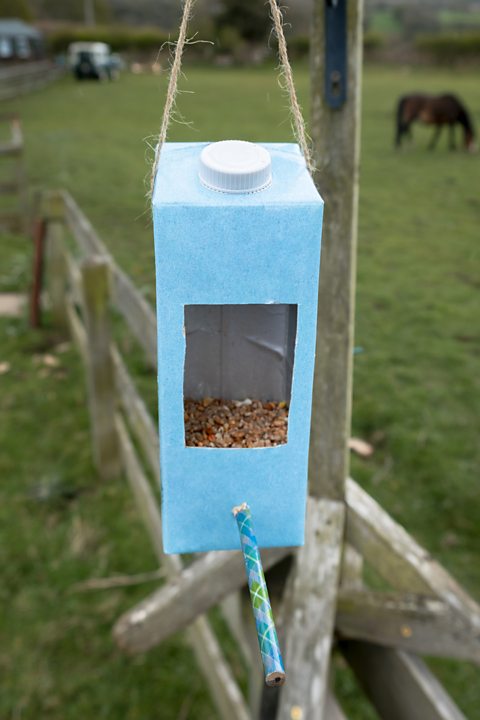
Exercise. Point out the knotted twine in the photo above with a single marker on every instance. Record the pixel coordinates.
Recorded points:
(285, 79)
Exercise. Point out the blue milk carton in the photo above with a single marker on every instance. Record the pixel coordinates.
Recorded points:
(237, 244)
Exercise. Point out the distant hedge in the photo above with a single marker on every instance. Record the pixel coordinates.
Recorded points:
(122, 38)
(448, 47)
(373, 40)
(118, 38)
(299, 45)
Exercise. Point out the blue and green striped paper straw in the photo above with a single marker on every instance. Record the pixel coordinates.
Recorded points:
(262, 610)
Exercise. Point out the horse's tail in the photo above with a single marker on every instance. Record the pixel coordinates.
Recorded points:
(402, 125)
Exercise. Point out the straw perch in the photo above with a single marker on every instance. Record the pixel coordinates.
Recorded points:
(262, 611)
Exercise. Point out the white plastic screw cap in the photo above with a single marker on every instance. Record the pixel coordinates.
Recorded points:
(235, 166)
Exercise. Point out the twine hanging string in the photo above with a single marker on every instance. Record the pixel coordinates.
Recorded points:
(172, 87)
(298, 122)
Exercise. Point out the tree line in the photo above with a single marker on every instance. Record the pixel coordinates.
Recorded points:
(248, 18)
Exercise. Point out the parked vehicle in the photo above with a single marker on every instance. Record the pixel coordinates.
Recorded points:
(92, 61)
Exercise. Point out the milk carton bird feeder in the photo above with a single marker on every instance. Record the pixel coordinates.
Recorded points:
(237, 243)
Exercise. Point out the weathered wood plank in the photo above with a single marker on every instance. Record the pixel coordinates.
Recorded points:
(311, 613)
(82, 230)
(336, 139)
(400, 685)
(336, 143)
(231, 609)
(140, 420)
(351, 570)
(268, 707)
(14, 215)
(223, 687)
(77, 329)
(398, 558)
(101, 388)
(333, 710)
(56, 271)
(200, 587)
(141, 489)
(138, 314)
(269, 704)
(52, 206)
(74, 277)
(424, 625)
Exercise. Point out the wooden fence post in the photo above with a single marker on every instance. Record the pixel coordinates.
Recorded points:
(20, 180)
(100, 372)
(335, 132)
(56, 271)
(336, 137)
(14, 219)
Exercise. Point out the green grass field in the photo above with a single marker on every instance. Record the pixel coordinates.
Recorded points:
(415, 398)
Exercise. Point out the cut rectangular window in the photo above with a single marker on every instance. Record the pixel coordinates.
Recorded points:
(238, 374)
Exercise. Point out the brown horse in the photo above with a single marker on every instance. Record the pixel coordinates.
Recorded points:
(437, 110)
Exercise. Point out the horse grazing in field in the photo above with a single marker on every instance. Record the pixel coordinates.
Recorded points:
(437, 110)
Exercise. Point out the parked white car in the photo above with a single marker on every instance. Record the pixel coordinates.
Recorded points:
(92, 60)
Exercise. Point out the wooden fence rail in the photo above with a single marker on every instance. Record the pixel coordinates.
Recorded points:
(117, 411)
(426, 612)
(17, 80)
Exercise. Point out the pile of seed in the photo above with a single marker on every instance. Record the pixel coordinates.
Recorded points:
(216, 423)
